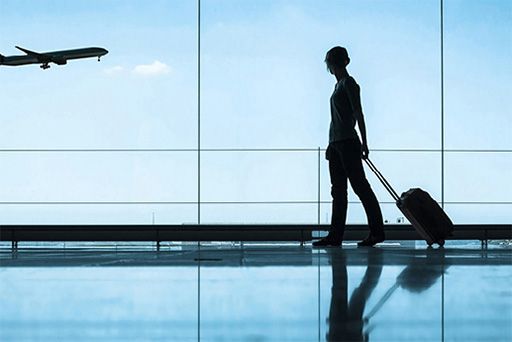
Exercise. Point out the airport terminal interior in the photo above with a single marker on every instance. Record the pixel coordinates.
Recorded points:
(164, 172)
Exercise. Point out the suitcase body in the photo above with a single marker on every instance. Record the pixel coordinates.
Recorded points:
(426, 216)
(424, 213)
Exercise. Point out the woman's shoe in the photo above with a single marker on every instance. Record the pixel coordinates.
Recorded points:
(328, 242)
(371, 240)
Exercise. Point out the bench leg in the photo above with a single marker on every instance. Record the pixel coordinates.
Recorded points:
(485, 243)
(14, 246)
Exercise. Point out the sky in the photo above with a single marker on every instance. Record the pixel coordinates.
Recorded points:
(263, 84)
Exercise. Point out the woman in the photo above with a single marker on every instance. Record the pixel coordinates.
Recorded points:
(344, 154)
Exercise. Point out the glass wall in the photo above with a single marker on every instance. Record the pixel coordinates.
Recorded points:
(217, 111)
(108, 142)
(478, 116)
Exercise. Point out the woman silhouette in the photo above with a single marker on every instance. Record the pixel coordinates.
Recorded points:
(344, 154)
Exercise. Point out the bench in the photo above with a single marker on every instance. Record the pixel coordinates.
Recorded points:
(227, 232)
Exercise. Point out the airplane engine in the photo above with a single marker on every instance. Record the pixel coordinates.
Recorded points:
(59, 61)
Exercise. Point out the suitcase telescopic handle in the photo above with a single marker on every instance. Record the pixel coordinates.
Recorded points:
(383, 180)
(381, 302)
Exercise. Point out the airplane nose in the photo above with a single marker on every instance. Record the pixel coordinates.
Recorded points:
(104, 51)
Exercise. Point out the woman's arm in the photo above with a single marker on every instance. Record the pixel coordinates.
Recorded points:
(362, 129)
(353, 92)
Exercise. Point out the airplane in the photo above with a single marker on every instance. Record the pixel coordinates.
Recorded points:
(57, 57)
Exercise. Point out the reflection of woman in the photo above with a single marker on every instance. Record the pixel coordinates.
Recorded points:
(346, 317)
(344, 154)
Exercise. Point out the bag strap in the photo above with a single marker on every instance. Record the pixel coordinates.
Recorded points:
(383, 180)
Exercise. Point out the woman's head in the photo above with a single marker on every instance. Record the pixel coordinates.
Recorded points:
(336, 58)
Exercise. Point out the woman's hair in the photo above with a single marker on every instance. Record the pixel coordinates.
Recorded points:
(337, 56)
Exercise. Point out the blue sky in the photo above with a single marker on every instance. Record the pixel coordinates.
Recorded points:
(263, 85)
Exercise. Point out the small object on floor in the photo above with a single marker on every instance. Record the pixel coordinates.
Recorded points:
(328, 242)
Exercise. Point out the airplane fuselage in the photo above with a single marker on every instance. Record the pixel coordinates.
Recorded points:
(58, 57)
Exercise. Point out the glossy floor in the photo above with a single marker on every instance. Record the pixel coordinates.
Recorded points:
(262, 292)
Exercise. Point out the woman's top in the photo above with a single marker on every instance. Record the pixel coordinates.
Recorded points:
(344, 102)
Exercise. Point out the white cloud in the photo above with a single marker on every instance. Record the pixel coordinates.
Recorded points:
(154, 69)
(114, 70)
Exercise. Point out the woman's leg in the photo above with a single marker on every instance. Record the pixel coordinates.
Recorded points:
(339, 199)
(338, 192)
(353, 166)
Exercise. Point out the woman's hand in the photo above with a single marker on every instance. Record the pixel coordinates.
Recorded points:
(364, 151)
(328, 152)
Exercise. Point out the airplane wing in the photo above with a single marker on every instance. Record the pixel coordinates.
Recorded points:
(32, 53)
(44, 57)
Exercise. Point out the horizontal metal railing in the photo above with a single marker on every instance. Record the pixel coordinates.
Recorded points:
(74, 150)
(218, 202)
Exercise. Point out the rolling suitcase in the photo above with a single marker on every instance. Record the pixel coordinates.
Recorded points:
(424, 213)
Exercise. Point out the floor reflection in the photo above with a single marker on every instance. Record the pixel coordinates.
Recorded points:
(345, 319)
(257, 293)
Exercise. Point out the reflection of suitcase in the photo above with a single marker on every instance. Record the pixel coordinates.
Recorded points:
(424, 213)
(414, 278)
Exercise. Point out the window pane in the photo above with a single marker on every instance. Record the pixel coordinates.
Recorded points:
(98, 214)
(259, 176)
(478, 177)
(142, 94)
(106, 176)
(259, 213)
(478, 70)
(480, 213)
(98, 177)
(264, 82)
